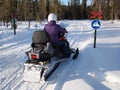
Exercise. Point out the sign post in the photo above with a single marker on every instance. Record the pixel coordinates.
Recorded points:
(95, 25)
(14, 23)
(95, 34)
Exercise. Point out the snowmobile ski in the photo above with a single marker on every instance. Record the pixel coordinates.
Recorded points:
(50, 73)
(76, 52)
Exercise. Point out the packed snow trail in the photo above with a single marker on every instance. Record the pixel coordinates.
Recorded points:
(76, 31)
(13, 57)
(80, 35)
(93, 70)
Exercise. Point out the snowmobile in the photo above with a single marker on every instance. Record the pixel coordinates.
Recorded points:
(43, 58)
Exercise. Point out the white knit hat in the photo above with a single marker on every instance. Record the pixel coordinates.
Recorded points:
(52, 17)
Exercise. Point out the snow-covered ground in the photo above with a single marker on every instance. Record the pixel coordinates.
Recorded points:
(94, 69)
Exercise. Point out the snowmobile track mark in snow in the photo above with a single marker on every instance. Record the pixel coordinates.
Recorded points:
(7, 83)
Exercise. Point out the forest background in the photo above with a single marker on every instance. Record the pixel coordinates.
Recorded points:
(38, 10)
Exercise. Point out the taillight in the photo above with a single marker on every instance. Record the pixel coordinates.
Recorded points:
(34, 56)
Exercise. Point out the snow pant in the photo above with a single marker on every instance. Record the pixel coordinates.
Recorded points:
(64, 48)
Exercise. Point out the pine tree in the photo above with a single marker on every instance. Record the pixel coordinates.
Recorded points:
(42, 8)
(84, 9)
(56, 8)
(47, 9)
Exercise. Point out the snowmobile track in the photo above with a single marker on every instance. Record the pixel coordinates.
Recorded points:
(12, 77)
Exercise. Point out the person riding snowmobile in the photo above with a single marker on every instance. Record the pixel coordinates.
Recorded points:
(55, 31)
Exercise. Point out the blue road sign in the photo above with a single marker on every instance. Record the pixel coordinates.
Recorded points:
(96, 24)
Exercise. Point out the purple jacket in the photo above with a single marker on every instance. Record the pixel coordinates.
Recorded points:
(53, 29)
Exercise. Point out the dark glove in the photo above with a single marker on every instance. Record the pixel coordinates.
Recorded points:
(60, 34)
(33, 45)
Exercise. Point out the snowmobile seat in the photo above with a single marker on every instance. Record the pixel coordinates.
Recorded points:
(41, 47)
(39, 39)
